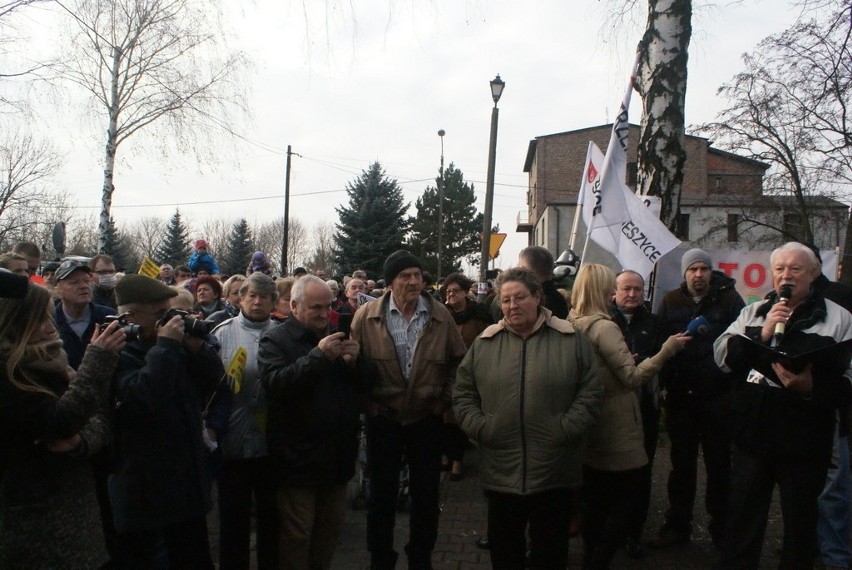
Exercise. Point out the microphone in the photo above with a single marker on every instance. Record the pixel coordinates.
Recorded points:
(784, 294)
(698, 326)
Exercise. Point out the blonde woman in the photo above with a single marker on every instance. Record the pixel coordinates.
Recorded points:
(49, 426)
(615, 454)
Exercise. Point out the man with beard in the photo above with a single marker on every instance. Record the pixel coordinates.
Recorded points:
(696, 390)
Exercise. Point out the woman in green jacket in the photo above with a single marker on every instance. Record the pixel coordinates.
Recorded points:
(527, 394)
(615, 455)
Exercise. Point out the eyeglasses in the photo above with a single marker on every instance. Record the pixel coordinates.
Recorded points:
(517, 300)
(105, 272)
(455, 291)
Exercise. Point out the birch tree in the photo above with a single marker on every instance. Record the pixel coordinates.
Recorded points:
(157, 66)
(661, 81)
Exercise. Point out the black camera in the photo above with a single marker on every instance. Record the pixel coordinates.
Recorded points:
(130, 330)
(191, 325)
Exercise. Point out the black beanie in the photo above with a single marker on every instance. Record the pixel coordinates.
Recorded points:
(398, 261)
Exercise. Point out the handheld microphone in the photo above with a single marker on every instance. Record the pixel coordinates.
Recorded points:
(784, 294)
(698, 326)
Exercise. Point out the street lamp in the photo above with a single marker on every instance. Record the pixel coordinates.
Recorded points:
(441, 134)
(497, 86)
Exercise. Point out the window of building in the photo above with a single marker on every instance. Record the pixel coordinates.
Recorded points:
(682, 227)
(733, 227)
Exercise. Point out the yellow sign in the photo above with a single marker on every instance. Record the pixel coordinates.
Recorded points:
(149, 268)
(494, 247)
(237, 367)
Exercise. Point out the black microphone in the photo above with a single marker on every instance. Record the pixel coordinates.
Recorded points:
(784, 294)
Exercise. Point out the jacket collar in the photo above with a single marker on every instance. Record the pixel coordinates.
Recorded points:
(545, 319)
(299, 331)
(376, 309)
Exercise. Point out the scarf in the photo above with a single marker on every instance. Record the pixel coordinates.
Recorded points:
(40, 359)
(470, 311)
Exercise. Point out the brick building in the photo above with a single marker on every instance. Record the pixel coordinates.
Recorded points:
(721, 200)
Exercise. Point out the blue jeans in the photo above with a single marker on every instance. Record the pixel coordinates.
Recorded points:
(833, 523)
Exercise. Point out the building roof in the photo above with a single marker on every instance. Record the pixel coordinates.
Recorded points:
(724, 153)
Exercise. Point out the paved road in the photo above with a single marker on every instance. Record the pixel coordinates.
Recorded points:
(463, 515)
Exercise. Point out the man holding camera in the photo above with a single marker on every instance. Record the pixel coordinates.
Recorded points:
(159, 489)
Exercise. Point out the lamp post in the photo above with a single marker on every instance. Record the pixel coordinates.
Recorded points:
(441, 134)
(497, 85)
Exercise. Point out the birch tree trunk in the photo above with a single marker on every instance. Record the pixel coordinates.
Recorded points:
(661, 81)
(110, 150)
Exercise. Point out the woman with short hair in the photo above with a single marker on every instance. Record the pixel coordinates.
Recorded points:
(471, 319)
(208, 296)
(527, 394)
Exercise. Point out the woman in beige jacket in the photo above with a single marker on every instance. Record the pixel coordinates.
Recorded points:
(615, 452)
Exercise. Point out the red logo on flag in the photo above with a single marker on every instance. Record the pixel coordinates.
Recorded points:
(593, 172)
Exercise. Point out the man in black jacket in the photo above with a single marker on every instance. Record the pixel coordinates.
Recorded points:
(641, 333)
(540, 261)
(160, 488)
(696, 392)
(783, 420)
(312, 381)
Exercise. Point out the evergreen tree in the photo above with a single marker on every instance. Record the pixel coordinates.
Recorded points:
(462, 225)
(175, 248)
(374, 223)
(238, 250)
(117, 245)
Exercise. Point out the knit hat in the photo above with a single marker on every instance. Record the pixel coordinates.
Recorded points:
(694, 256)
(141, 289)
(258, 261)
(398, 261)
(200, 243)
(69, 266)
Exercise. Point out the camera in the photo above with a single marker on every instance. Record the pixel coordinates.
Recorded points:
(566, 266)
(191, 325)
(130, 330)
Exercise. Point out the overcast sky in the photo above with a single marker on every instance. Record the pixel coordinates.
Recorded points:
(346, 85)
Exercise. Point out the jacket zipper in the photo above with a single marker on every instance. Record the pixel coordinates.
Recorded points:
(523, 427)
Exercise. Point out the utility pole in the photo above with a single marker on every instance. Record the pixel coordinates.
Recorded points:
(441, 134)
(285, 241)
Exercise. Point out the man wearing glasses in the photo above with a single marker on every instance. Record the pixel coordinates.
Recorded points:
(103, 272)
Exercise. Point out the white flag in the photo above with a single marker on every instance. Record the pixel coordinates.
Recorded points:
(590, 187)
(618, 220)
(609, 207)
(644, 239)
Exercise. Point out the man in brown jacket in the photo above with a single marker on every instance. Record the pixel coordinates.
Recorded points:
(415, 347)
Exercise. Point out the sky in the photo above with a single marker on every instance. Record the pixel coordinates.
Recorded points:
(350, 83)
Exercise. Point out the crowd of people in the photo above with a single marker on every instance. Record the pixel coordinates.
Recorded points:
(125, 398)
